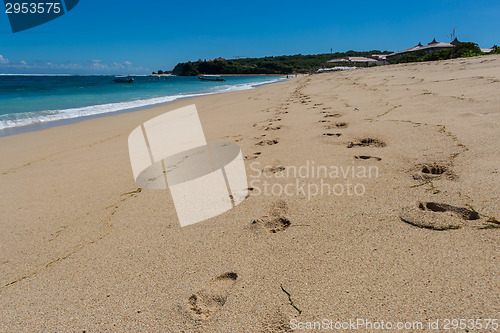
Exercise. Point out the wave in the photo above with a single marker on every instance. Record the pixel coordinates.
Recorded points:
(14, 120)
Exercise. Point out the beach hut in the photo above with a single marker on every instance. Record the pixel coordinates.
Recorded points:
(430, 47)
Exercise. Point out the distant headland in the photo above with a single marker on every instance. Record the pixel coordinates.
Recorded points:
(299, 63)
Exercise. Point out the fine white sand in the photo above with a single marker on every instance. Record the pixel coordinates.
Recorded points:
(82, 250)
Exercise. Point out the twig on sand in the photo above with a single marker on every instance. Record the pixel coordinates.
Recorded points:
(290, 299)
(139, 190)
(493, 223)
(418, 185)
(431, 186)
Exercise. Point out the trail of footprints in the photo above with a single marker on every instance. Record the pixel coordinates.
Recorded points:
(276, 221)
(296, 97)
(270, 127)
(437, 216)
(428, 215)
(203, 304)
(339, 125)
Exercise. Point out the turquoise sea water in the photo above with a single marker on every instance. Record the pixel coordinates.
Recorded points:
(28, 101)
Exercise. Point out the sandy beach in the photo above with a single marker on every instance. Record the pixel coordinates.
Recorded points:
(415, 239)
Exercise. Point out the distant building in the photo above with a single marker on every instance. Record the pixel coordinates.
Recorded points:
(373, 60)
(335, 69)
(379, 56)
(455, 42)
(219, 58)
(432, 46)
(491, 49)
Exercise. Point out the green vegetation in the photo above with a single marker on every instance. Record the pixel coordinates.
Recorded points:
(162, 72)
(462, 50)
(496, 50)
(283, 65)
(268, 65)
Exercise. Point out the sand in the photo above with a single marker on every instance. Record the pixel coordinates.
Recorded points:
(81, 249)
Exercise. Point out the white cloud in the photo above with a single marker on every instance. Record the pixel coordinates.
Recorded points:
(94, 66)
(98, 66)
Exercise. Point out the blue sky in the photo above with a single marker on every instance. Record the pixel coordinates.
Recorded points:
(133, 37)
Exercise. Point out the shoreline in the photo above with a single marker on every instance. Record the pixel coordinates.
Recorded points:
(61, 122)
(229, 75)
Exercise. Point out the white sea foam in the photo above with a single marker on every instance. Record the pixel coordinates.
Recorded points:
(31, 118)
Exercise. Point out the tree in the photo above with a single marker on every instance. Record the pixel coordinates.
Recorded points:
(267, 65)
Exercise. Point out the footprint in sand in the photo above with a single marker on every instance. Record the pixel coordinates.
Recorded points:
(276, 323)
(437, 216)
(341, 125)
(254, 156)
(211, 298)
(335, 126)
(367, 142)
(273, 169)
(331, 115)
(276, 220)
(367, 157)
(267, 142)
(270, 121)
(272, 128)
(250, 189)
(429, 171)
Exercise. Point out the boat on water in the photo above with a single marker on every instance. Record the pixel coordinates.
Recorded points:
(124, 79)
(211, 78)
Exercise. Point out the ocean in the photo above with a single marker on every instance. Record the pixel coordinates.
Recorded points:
(31, 102)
